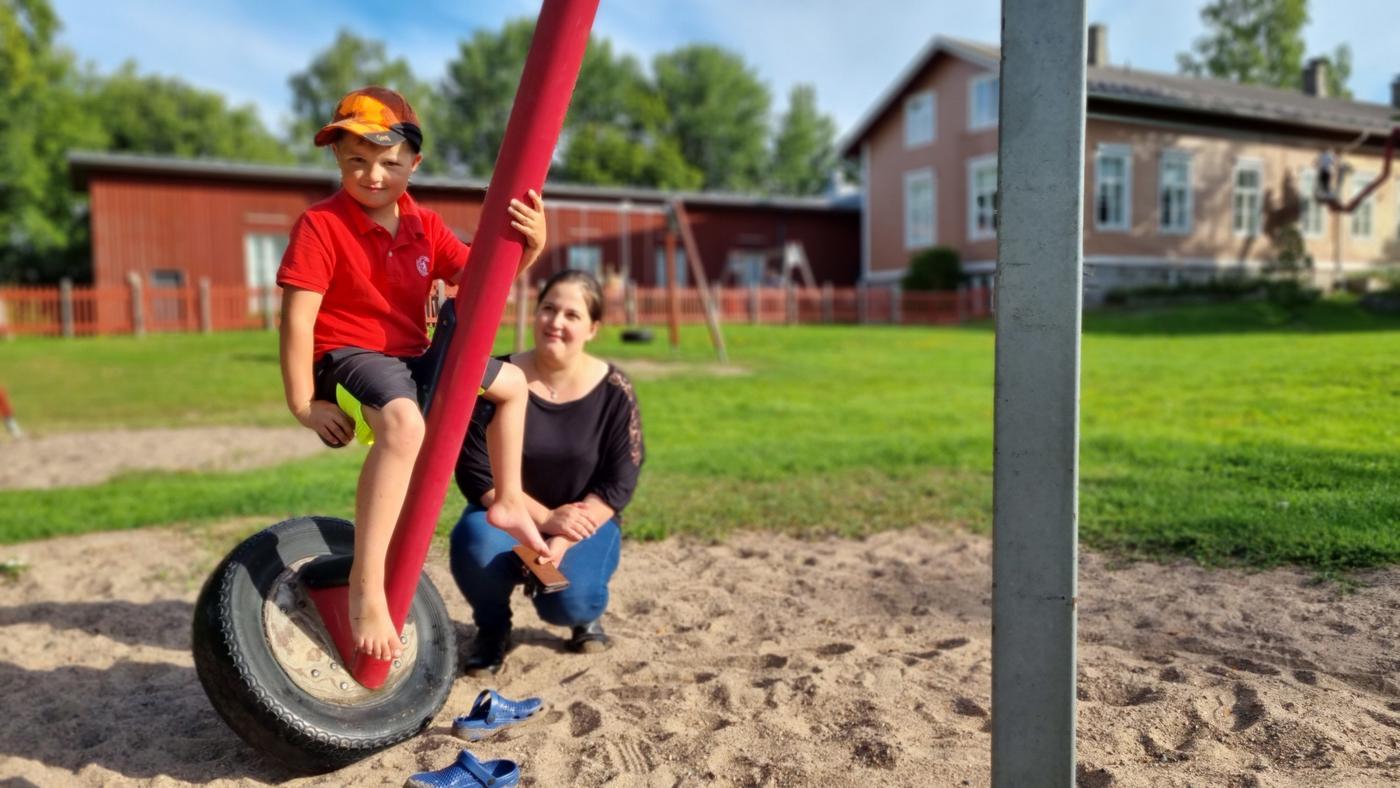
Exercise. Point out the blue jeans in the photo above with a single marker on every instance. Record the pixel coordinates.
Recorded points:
(487, 571)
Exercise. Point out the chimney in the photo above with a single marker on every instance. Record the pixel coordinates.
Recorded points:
(1315, 77)
(1098, 44)
(1395, 92)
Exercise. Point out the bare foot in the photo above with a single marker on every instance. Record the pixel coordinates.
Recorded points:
(510, 515)
(371, 626)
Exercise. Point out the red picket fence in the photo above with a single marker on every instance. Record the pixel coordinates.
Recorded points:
(90, 311)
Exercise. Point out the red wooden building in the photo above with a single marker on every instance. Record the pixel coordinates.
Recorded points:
(174, 222)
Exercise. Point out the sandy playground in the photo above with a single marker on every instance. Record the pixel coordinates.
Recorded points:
(761, 661)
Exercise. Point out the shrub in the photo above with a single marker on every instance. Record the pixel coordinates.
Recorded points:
(937, 268)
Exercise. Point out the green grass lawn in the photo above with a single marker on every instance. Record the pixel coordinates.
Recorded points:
(1226, 433)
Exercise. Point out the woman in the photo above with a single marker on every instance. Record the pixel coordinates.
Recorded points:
(583, 453)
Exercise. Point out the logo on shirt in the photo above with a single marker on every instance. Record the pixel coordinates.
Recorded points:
(423, 265)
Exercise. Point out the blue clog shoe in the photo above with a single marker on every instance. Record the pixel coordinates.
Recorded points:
(469, 772)
(492, 713)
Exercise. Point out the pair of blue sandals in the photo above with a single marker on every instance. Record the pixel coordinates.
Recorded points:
(490, 714)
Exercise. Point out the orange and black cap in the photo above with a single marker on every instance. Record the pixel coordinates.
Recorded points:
(377, 114)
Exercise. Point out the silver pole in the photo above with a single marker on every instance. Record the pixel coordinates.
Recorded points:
(1036, 465)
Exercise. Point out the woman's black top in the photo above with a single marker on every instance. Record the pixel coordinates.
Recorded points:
(591, 445)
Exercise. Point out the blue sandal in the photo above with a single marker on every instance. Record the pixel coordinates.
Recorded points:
(468, 772)
(491, 713)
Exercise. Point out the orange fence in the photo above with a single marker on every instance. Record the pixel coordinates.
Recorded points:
(136, 309)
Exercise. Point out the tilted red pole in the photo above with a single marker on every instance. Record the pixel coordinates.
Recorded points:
(551, 68)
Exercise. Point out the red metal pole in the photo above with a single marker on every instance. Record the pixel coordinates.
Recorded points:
(551, 69)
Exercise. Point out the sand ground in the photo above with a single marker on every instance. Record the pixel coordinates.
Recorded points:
(761, 661)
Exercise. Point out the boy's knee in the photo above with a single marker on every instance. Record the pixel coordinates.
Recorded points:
(401, 425)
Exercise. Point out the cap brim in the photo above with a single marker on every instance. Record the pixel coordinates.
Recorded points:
(379, 135)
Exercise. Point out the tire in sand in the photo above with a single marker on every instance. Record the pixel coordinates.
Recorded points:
(271, 672)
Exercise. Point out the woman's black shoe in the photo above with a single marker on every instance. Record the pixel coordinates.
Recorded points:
(589, 638)
(488, 654)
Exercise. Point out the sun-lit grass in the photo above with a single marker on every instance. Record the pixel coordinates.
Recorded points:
(1224, 433)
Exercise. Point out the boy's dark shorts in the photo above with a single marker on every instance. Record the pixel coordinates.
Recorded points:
(376, 379)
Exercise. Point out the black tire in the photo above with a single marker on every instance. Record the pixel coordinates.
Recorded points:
(254, 695)
(639, 335)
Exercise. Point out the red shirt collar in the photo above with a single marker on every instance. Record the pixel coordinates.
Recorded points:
(410, 220)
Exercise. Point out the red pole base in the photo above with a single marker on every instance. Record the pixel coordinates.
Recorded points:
(334, 606)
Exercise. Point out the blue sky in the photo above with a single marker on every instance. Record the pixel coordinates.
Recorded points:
(851, 51)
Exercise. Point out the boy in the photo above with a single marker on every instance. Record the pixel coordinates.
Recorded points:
(356, 276)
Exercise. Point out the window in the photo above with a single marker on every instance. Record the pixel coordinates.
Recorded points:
(919, 207)
(262, 254)
(167, 277)
(1361, 218)
(1175, 192)
(1310, 210)
(661, 277)
(586, 257)
(1113, 180)
(747, 266)
(983, 94)
(1249, 180)
(982, 198)
(920, 119)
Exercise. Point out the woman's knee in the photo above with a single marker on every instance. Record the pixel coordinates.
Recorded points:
(478, 554)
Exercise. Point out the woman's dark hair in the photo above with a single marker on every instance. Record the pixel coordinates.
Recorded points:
(592, 291)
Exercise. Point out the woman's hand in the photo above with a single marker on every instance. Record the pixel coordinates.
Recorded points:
(570, 521)
(529, 221)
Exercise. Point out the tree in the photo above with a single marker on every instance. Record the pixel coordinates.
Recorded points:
(163, 115)
(1259, 42)
(718, 114)
(476, 95)
(351, 62)
(41, 226)
(804, 149)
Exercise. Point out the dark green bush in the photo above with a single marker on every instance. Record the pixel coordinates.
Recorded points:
(936, 268)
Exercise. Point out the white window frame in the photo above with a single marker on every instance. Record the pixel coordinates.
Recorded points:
(1125, 205)
(262, 256)
(1310, 208)
(920, 128)
(662, 275)
(1358, 181)
(748, 266)
(1188, 199)
(585, 257)
(1254, 221)
(976, 122)
(974, 165)
(912, 238)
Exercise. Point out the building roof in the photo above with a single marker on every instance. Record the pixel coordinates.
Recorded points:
(83, 164)
(1146, 89)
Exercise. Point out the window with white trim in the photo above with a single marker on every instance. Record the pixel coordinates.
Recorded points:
(262, 255)
(586, 257)
(1247, 202)
(1362, 217)
(983, 93)
(920, 206)
(920, 119)
(747, 266)
(1309, 209)
(661, 267)
(1174, 192)
(982, 198)
(1113, 181)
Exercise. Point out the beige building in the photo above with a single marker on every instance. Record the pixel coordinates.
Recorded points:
(1184, 177)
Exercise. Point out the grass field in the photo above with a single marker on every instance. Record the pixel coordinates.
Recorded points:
(1228, 433)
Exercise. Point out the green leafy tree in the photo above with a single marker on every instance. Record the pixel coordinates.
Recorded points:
(144, 113)
(476, 95)
(42, 231)
(1259, 42)
(718, 114)
(351, 62)
(804, 149)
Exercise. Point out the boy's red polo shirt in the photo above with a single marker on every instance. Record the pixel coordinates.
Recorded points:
(375, 288)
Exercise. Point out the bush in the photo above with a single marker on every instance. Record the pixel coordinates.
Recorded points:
(1226, 288)
(937, 268)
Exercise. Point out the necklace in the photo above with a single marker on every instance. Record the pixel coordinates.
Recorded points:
(553, 392)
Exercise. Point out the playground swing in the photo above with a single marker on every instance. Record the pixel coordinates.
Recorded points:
(7, 414)
(1332, 172)
(271, 634)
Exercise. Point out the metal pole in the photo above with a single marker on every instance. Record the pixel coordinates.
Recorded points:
(1036, 452)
